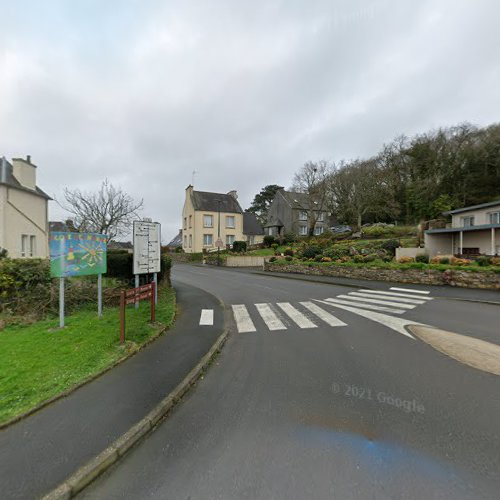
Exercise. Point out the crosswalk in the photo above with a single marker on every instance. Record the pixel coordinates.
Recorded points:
(311, 314)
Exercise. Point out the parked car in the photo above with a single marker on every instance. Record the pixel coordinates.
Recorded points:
(341, 229)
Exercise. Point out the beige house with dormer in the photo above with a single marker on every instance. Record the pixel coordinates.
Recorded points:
(206, 217)
(24, 227)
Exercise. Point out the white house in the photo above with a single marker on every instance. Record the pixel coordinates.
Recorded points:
(24, 228)
(474, 230)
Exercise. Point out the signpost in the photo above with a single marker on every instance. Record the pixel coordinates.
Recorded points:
(147, 251)
(133, 296)
(77, 254)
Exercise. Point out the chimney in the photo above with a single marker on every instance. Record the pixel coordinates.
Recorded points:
(234, 194)
(28, 159)
(3, 170)
(25, 172)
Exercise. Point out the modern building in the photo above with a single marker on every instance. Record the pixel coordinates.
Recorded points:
(24, 227)
(208, 216)
(292, 212)
(473, 231)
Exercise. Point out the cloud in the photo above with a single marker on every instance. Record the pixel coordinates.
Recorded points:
(244, 93)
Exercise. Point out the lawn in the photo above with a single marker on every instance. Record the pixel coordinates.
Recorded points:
(39, 361)
(264, 252)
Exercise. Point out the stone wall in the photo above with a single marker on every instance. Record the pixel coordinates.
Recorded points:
(452, 277)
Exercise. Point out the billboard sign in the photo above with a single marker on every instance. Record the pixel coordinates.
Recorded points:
(147, 247)
(77, 254)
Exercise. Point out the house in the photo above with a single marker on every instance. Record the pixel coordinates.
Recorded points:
(206, 216)
(24, 227)
(252, 229)
(292, 212)
(473, 231)
(176, 242)
(121, 245)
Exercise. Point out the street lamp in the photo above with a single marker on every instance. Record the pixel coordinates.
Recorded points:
(218, 232)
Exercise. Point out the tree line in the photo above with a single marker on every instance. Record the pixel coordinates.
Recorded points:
(409, 180)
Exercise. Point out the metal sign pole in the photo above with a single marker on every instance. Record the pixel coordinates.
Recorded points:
(155, 279)
(61, 302)
(99, 295)
(136, 286)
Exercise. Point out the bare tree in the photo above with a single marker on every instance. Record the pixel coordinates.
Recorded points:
(109, 211)
(311, 180)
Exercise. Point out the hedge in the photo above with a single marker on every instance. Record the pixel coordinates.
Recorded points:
(121, 264)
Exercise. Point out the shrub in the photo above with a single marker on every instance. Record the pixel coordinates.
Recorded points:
(288, 251)
(289, 238)
(274, 245)
(358, 258)
(370, 257)
(444, 260)
(239, 246)
(288, 258)
(495, 261)
(483, 261)
(336, 252)
(406, 260)
(459, 262)
(326, 259)
(311, 251)
(268, 240)
(390, 246)
(318, 258)
(19, 275)
(272, 259)
(424, 259)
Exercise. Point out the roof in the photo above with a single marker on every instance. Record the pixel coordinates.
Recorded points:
(125, 245)
(251, 225)
(177, 241)
(481, 227)
(209, 202)
(11, 181)
(56, 226)
(298, 200)
(473, 207)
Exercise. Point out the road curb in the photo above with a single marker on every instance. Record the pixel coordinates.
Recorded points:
(96, 466)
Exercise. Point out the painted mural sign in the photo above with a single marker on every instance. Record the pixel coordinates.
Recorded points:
(77, 254)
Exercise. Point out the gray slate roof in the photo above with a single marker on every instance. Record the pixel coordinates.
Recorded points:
(177, 241)
(11, 181)
(473, 207)
(298, 200)
(208, 202)
(251, 225)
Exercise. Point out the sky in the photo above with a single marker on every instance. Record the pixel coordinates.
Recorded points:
(144, 92)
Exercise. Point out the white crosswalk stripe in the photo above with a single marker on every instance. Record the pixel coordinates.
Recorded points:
(396, 294)
(383, 297)
(322, 314)
(243, 321)
(362, 305)
(207, 317)
(356, 300)
(296, 316)
(411, 290)
(272, 321)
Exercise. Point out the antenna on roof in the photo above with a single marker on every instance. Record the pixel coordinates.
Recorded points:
(192, 179)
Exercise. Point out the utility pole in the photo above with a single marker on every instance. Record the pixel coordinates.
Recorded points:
(218, 234)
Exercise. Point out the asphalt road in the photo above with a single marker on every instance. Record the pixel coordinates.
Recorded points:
(355, 411)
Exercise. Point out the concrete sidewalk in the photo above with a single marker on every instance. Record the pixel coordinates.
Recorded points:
(41, 451)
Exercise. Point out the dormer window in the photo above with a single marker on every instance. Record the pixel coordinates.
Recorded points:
(302, 215)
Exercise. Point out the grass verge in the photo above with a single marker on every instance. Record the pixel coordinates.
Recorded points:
(40, 361)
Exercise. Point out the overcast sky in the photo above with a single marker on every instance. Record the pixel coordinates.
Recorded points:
(244, 92)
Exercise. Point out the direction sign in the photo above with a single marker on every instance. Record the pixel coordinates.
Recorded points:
(147, 250)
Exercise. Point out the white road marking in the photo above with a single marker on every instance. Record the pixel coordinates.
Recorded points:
(395, 294)
(296, 316)
(412, 290)
(397, 324)
(397, 299)
(364, 306)
(272, 321)
(322, 314)
(375, 301)
(207, 317)
(243, 320)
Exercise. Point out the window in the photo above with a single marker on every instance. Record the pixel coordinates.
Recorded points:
(208, 221)
(318, 230)
(190, 222)
(208, 239)
(24, 245)
(468, 221)
(32, 246)
(495, 218)
(302, 215)
(185, 242)
(229, 239)
(251, 240)
(185, 222)
(190, 240)
(230, 221)
(303, 230)
(321, 217)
